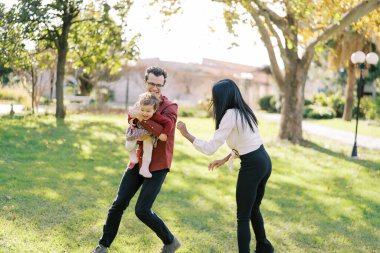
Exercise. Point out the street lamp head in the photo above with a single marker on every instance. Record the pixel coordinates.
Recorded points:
(358, 57)
(372, 58)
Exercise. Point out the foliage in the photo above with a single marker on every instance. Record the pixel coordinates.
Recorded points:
(206, 106)
(335, 101)
(270, 103)
(264, 103)
(193, 111)
(298, 31)
(100, 48)
(15, 93)
(369, 108)
(318, 112)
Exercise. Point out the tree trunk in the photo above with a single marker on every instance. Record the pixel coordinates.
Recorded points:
(51, 71)
(60, 109)
(292, 105)
(33, 88)
(86, 85)
(62, 54)
(349, 92)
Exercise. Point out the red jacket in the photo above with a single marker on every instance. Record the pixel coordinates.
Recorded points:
(162, 155)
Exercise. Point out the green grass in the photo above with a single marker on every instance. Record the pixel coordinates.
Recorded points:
(57, 181)
(365, 127)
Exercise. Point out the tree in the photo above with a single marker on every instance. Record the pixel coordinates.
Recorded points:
(344, 45)
(15, 57)
(100, 50)
(50, 21)
(298, 30)
(292, 32)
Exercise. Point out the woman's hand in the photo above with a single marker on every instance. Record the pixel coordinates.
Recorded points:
(182, 128)
(215, 164)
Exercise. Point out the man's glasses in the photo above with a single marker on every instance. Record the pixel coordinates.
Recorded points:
(157, 85)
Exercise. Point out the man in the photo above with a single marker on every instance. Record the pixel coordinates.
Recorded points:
(162, 156)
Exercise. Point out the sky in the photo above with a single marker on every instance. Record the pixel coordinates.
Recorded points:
(188, 37)
(196, 33)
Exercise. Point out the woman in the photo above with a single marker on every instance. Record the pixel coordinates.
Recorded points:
(236, 123)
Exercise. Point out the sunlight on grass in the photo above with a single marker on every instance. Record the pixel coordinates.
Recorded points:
(58, 179)
(106, 170)
(46, 193)
(73, 175)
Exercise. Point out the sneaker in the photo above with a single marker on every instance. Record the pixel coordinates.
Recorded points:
(172, 247)
(100, 249)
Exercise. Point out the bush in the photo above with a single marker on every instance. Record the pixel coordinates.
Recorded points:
(275, 104)
(264, 102)
(334, 101)
(206, 106)
(193, 111)
(307, 102)
(270, 103)
(369, 108)
(15, 93)
(318, 112)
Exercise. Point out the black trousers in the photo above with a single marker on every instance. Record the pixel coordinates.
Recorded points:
(129, 185)
(255, 169)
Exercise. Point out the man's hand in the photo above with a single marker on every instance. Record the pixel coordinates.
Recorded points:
(163, 137)
(215, 164)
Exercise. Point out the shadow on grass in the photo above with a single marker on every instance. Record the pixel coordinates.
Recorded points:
(60, 177)
(53, 176)
(365, 163)
(321, 213)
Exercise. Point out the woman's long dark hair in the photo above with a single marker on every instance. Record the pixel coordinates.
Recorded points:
(226, 95)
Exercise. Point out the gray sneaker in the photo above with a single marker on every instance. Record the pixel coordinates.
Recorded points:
(100, 249)
(171, 248)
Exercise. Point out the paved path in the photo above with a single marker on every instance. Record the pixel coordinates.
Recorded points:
(332, 133)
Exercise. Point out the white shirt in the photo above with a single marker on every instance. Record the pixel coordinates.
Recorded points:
(231, 130)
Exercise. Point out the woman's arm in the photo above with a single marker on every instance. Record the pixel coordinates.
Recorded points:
(210, 147)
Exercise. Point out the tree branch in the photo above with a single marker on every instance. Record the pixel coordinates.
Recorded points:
(356, 13)
(274, 17)
(276, 35)
(83, 20)
(268, 44)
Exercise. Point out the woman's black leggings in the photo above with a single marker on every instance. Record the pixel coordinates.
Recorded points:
(255, 169)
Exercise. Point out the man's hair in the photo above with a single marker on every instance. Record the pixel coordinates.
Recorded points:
(157, 71)
(149, 99)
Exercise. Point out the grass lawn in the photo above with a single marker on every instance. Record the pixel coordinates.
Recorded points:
(365, 127)
(57, 181)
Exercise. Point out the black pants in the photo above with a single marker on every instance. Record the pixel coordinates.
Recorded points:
(129, 185)
(255, 169)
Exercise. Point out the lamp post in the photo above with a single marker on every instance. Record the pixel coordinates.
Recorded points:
(360, 59)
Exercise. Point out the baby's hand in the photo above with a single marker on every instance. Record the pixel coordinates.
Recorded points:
(163, 137)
